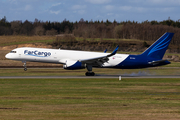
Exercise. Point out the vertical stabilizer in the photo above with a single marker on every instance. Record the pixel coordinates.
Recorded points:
(158, 49)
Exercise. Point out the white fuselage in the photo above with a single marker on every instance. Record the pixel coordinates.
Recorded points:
(61, 56)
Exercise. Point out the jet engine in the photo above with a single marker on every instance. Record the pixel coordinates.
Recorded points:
(73, 65)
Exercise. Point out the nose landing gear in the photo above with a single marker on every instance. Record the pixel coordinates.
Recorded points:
(25, 68)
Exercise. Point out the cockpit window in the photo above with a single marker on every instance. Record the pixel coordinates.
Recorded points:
(13, 52)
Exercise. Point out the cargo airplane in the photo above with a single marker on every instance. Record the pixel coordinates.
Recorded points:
(72, 59)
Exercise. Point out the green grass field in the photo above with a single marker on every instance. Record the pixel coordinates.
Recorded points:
(80, 99)
(99, 71)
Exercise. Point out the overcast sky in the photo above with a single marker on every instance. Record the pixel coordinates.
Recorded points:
(74, 10)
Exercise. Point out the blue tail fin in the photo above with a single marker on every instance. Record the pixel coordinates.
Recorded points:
(158, 49)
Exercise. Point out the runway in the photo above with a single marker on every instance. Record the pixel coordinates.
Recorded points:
(84, 77)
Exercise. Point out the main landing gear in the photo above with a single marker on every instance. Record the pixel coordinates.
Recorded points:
(25, 68)
(89, 73)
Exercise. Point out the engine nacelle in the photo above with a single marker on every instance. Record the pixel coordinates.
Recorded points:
(73, 65)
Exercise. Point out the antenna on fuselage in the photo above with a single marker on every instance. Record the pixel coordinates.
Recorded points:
(60, 47)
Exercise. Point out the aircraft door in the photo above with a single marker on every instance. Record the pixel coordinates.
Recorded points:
(55, 56)
(19, 54)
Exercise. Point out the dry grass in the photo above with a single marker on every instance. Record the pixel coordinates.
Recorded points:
(11, 40)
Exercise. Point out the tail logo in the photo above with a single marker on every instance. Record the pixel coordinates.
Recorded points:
(161, 45)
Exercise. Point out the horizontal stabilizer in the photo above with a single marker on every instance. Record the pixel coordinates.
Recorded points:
(158, 62)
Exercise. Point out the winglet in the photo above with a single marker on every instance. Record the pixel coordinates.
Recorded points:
(114, 52)
(105, 51)
(102, 58)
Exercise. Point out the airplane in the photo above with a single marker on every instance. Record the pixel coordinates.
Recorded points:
(73, 59)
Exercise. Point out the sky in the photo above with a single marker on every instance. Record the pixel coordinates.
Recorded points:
(74, 10)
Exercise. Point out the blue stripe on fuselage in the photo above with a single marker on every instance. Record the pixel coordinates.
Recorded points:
(132, 62)
(138, 61)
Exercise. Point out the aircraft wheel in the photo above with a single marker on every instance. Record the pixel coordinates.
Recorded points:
(25, 69)
(90, 73)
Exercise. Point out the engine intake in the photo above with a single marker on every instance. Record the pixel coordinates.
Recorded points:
(73, 65)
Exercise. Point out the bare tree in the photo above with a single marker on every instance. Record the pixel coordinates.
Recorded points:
(16, 27)
(39, 30)
(51, 32)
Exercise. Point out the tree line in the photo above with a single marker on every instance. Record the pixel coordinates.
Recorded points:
(147, 30)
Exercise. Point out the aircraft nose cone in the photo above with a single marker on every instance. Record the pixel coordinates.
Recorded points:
(8, 56)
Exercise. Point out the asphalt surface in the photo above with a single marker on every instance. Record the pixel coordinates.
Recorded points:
(82, 77)
(96, 76)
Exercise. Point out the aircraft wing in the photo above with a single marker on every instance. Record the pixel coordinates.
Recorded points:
(98, 61)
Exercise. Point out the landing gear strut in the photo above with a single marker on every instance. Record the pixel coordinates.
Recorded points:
(89, 73)
(25, 68)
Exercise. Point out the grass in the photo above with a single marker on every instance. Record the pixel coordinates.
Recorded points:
(173, 64)
(99, 71)
(89, 99)
(113, 39)
(16, 40)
